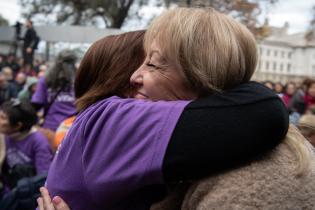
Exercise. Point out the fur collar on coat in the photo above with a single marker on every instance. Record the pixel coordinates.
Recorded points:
(266, 184)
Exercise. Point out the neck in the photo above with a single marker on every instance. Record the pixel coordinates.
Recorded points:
(21, 134)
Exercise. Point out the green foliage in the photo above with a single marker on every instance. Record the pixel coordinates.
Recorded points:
(81, 12)
(3, 21)
(114, 12)
(245, 11)
(310, 35)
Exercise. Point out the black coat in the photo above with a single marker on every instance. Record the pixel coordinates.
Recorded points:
(30, 38)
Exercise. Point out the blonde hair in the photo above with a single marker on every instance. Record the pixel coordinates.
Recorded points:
(215, 51)
(307, 125)
(301, 148)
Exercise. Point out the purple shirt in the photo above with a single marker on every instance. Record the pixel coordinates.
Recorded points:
(114, 149)
(62, 107)
(33, 149)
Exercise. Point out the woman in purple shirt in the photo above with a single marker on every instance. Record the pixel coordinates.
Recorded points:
(120, 152)
(27, 150)
(55, 95)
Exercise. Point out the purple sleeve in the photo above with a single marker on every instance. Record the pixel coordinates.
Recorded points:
(43, 155)
(40, 96)
(124, 143)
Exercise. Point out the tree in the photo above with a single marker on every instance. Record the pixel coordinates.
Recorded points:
(113, 13)
(245, 11)
(310, 35)
(3, 21)
(82, 12)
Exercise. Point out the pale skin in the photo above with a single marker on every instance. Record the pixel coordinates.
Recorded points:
(6, 127)
(156, 79)
(28, 50)
(46, 203)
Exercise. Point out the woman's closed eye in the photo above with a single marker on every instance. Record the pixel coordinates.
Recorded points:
(151, 65)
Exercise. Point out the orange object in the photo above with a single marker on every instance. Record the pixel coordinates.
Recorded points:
(62, 130)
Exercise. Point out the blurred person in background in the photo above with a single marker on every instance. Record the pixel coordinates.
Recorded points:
(309, 98)
(297, 103)
(28, 70)
(30, 41)
(37, 63)
(268, 84)
(289, 91)
(20, 81)
(278, 88)
(8, 73)
(27, 153)
(55, 93)
(12, 63)
(310, 110)
(7, 91)
(2, 62)
(29, 89)
(300, 101)
(42, 70)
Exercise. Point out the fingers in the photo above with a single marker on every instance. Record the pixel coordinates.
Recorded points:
(60, 204)
(47, 204)
(40, 203)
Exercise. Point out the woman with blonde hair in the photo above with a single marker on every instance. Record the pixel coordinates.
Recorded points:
(280, 179)
(135, 149)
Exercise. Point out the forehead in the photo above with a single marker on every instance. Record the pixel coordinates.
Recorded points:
(154, 48)
(155, 51)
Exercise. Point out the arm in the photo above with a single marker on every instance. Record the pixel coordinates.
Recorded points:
(123, 142)
(39, 98)
(43, 154)
(33, 39)
(223, 131)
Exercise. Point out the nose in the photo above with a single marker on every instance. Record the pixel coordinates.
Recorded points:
(136, 78)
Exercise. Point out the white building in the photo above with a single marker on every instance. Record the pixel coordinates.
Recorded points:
(285, 57)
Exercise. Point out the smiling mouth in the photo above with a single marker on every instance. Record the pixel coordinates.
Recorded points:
(140, 95)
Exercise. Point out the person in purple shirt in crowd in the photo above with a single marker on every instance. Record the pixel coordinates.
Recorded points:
(120, 153)
(55, 94)
(27, 150)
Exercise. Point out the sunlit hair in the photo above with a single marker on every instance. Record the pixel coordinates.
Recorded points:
(61, 74)
(215, 51)
(107, 66)
(302, 149)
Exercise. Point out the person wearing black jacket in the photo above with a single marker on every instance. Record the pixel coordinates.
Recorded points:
(29, 43)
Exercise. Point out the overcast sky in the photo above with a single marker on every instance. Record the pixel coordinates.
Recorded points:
(296, 12)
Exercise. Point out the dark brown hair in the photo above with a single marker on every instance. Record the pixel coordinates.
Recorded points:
(107, 66)
(20, 111)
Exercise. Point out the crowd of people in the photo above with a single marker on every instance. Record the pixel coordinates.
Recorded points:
(159, 119)
(34, 101)
(299, 100)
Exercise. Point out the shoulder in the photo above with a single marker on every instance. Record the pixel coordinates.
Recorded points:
(116, 108)
(243, 94)
(37, 138)
(267, 183)
(42, 81)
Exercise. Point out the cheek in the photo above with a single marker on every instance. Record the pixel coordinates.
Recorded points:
(312, 91)
(4, 127)
(154, 82)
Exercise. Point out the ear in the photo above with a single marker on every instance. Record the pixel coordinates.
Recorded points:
(18, 126)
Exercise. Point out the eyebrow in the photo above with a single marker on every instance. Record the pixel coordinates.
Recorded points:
(154, 51)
